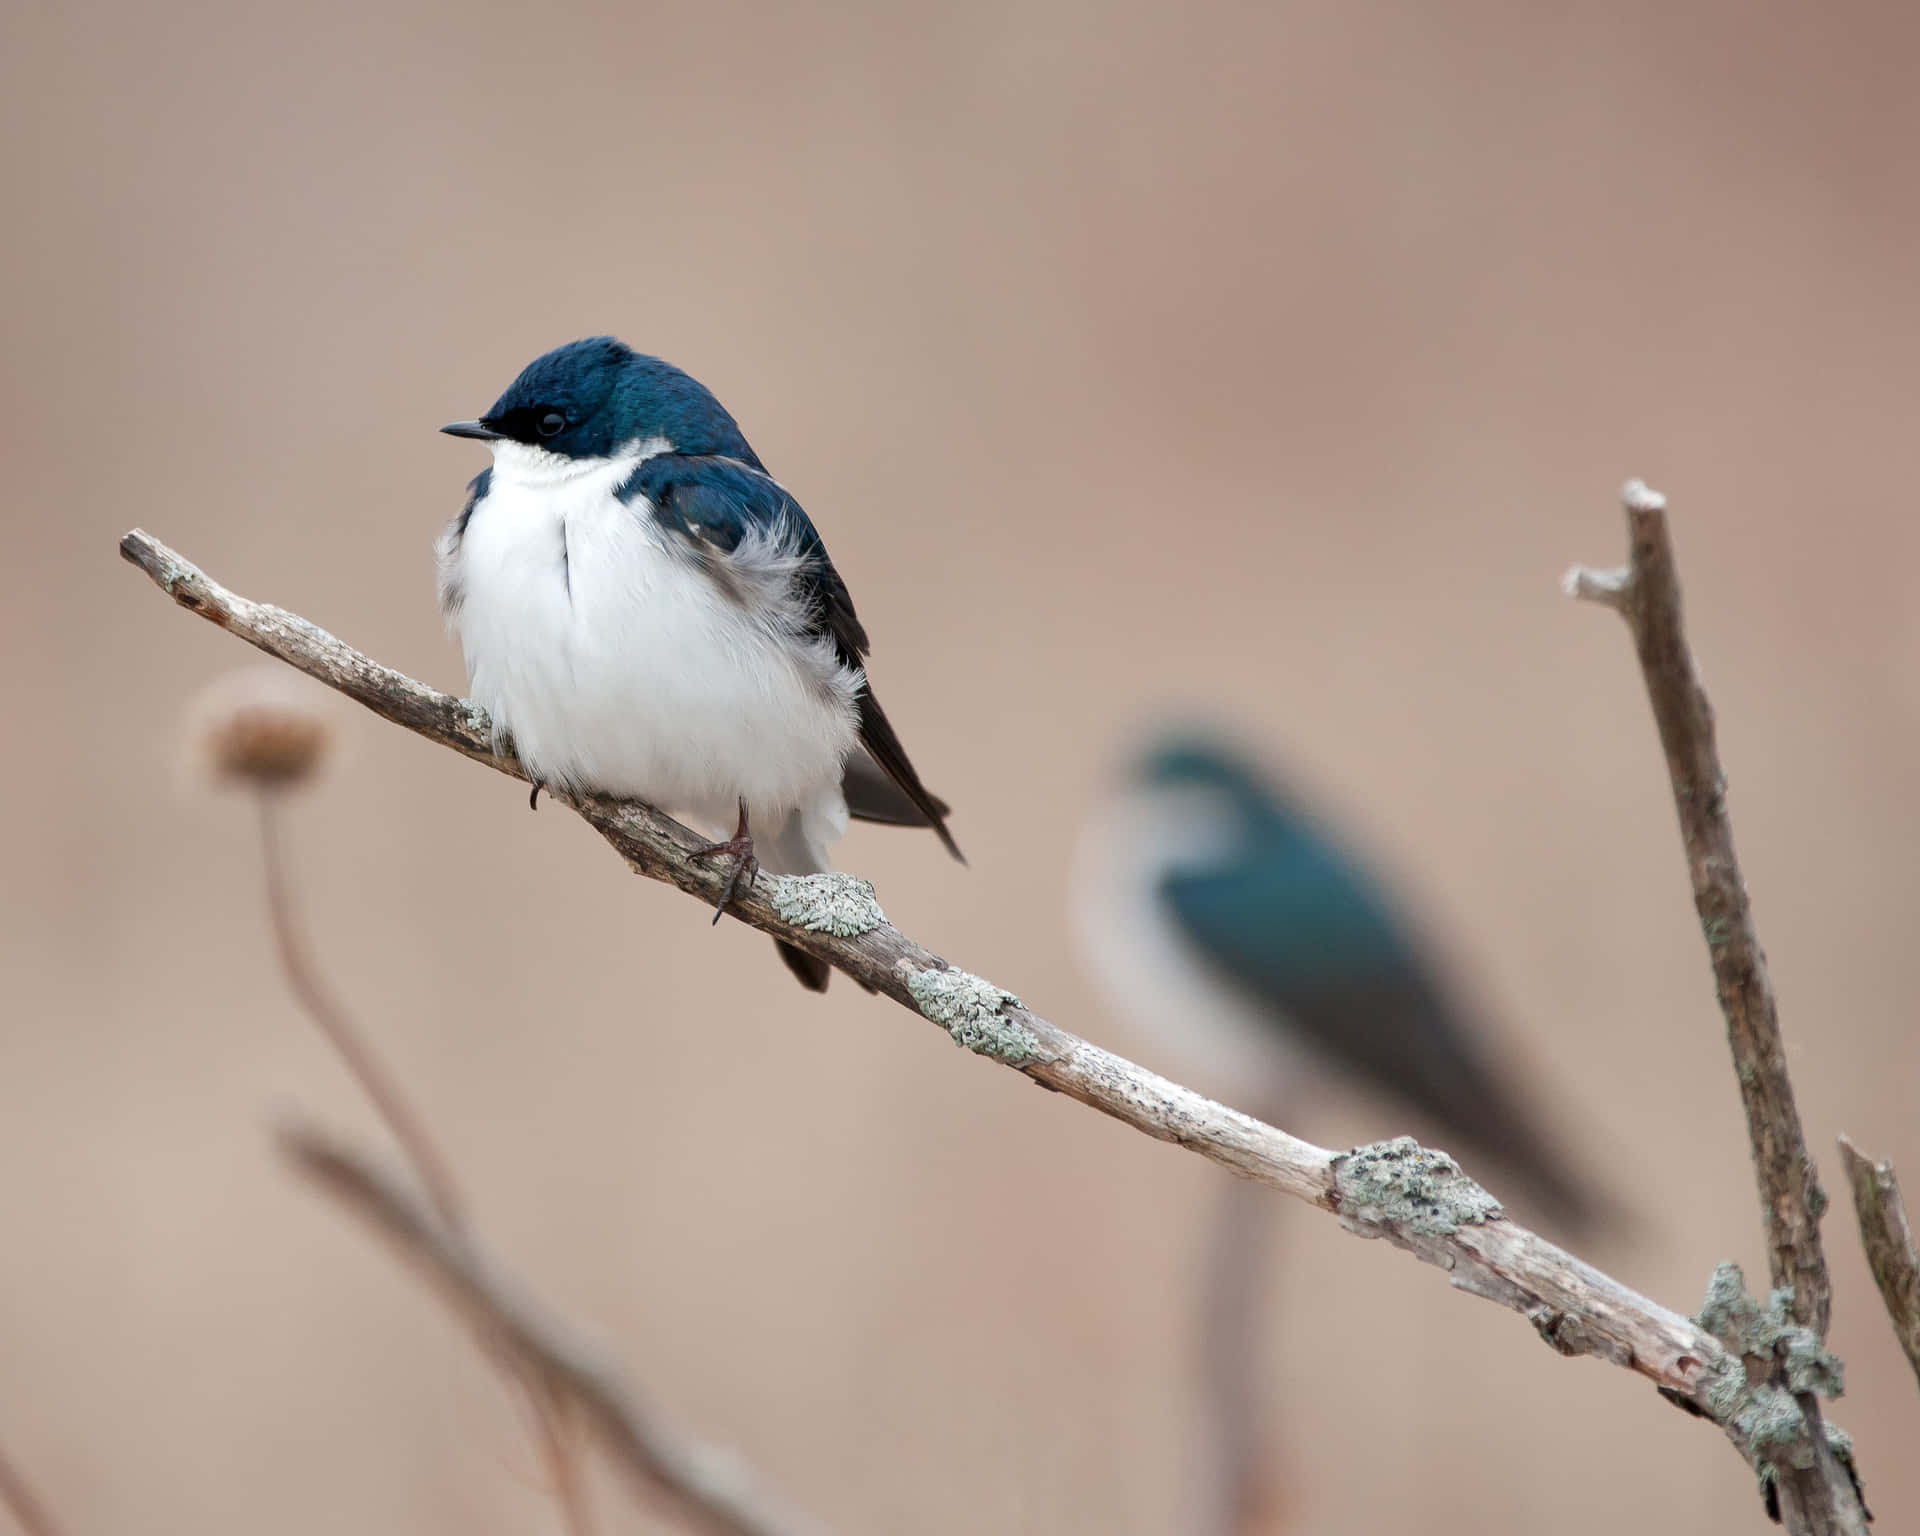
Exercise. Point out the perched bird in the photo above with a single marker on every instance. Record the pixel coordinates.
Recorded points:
(646, 613)
(1224, 919)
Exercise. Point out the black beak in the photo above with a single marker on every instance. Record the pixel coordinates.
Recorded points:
(478, 429)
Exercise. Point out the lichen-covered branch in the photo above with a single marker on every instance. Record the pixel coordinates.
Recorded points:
(1888, 1239)
(1805, 1465)
(1416, 1199)
(1808, 1485)
(712, 1488)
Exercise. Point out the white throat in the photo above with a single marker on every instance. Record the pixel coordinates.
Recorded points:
(524, 465)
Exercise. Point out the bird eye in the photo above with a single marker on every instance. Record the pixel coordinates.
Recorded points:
(552, 424)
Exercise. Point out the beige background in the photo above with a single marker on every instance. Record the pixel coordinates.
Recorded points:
(1271, 359)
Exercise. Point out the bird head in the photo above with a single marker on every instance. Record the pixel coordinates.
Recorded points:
(600, 399)
(1200, 800)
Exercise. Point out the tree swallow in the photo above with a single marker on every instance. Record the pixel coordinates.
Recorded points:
(647, 614)
(1222, 918)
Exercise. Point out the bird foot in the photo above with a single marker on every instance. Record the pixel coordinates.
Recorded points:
(746, 867)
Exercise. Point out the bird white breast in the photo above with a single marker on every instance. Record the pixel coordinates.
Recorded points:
(616, 664)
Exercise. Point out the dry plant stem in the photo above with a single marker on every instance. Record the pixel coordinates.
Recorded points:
(556, 1452)
(710, 1487)
(1647, 596)
(19, 1499)
(1819, 1498)
(1235, 1495)
(332, 1020)
(554, 1432)
(1888, 1239)
(1576, 1309)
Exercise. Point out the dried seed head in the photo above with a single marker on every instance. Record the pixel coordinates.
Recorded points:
(261, 728)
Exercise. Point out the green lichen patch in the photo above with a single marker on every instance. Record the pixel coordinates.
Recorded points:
(972, 1010)
(1810, 1366)
(1772, 1362)
(1408, 1186)
(1769, 1333)
(1764, 1416)
(842, 905)
(1774, 1427)
(1729, 1313)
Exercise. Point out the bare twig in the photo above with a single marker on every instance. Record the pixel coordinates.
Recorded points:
(333, 1022)
(548, 1425)
(1647, 594)
(20, 1500)
(1415, 1199)
(710, 1487)
(1821, 1495)
(1236, 1493)
(1888, 1239)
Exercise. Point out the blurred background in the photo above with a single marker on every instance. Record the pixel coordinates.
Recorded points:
(1264, 363)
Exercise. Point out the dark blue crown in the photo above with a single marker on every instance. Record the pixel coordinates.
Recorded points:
(589, 398)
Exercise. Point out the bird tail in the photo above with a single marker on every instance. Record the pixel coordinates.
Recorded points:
(813, 972)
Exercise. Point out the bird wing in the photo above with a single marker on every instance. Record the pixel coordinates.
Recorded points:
(717, 502)
(872, 794)
(1312, 944)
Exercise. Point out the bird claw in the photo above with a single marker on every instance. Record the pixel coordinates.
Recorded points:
(746, 867)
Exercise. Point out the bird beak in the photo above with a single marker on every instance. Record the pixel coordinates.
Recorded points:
(477, 429)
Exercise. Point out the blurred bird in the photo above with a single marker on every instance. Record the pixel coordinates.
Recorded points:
(1222, 918)
(646, 613)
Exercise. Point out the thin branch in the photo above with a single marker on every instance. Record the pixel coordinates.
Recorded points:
(1236, 1492)
(711, 1487)
(1647, 595)
(18, 1498)
(1415, 1199)
(333, 1021)
(564, 1472)
(1822, 1495)
(1888, 1239)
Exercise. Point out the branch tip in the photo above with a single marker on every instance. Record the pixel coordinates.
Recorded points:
(1889, 1243)
(1591, 586)
(1638, 496)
